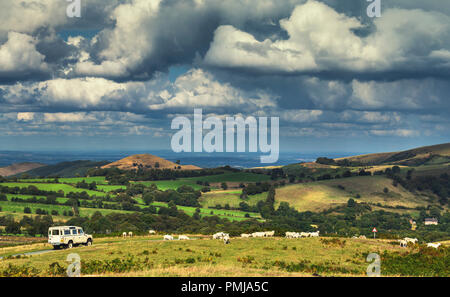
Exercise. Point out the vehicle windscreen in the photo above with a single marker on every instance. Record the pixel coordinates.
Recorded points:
(80, 231)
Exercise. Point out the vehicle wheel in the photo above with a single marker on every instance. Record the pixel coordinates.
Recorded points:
(89, 242)
(70, 245)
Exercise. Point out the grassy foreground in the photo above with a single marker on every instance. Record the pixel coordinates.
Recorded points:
(148, 256)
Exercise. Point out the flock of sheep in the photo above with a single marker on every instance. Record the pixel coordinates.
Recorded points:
(180, 237)
(226, 237)
(259, 234)
(302, 234)
(404, 242)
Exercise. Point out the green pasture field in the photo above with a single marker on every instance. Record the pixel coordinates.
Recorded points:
(244, 177)
(71, 180)
(231, 198)
(18, 207)
(109, 188)
(164, 185)
(223, 213)
(233, 215)
(53, 187)
(10, 196)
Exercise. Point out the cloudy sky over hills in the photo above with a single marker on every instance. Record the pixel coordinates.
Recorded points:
(115, 77)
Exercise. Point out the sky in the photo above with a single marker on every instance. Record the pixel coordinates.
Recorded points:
(115, 77)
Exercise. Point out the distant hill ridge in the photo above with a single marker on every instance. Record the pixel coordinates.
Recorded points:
(17, 168)
(427, 155)
(147, 161)
(65, 169)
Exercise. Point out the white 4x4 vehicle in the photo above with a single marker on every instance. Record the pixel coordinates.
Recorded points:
(68, 236)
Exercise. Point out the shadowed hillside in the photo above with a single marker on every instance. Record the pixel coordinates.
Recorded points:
(19, 168)
(65, 169)
(427, 155)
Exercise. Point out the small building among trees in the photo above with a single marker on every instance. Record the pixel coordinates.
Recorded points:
(431, 221)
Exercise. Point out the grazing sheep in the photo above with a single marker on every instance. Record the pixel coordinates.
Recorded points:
(362, 237)
(291, 235)
(259, 234)
(183, 237)
(220, 235)
(151, 232)
(130, 234)
(226, 239)
(168, 237)
(434, 245)
(246, 235)
(269, 233)
(124, 234)
(304, 234)
(403, 243)
(314, 234)
(413, 240)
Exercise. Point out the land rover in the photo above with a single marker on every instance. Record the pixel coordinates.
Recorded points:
(68, 237)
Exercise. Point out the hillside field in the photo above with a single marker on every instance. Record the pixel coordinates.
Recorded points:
(53, 187)
(149, 256)
(322, 195)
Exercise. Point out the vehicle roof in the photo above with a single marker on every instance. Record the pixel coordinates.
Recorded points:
(57, 227)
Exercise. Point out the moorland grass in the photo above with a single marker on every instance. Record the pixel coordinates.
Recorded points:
(141, 256)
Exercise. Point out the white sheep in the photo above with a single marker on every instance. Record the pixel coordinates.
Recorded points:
(258, 234)
(413, 240)
(291, 234)
(314, 234)
(220, 235)
(434, 245)
(270, 233)
(403, 243)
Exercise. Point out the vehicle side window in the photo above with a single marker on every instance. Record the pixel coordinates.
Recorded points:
(66, 232)
(55, 232)
(74, 232)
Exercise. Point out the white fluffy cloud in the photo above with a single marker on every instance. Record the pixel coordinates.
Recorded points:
(198, 88)
(25, 116)
(75, 94)
(128, 43)
(19, 54)
(26, 16)
(68, 117)
(321, 39)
